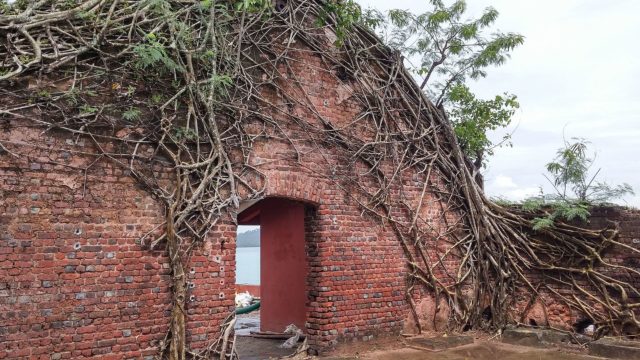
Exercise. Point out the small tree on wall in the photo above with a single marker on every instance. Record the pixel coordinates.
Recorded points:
(445, 52)
(576, 187)
(571, 178)
(188, 81)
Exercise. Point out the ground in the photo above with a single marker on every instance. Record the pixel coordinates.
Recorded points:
(481, 350)
(394, 349)
(250, 348)
(258, 349)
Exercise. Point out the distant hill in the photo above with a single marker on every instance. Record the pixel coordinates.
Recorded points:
(249, 239)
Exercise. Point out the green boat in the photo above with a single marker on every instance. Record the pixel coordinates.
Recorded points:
(248, 309)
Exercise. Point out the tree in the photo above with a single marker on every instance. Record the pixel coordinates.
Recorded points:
(200, 64)
(571, 179)
(444, 52)
(473, 118)
(575, 188)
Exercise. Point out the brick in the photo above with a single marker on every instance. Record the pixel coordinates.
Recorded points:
(99, 285)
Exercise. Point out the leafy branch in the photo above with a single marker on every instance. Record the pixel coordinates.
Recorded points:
(576, 189)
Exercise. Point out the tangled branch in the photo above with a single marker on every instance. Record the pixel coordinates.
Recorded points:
(177, 83)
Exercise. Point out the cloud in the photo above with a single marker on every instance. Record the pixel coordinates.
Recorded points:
(505, 187)
(504, 182)
(246, 228)
(522, 193)
(569, 85)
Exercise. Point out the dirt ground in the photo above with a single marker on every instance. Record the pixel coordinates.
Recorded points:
(250, 348)
(481, 350)
(395, 348)
(261, 349)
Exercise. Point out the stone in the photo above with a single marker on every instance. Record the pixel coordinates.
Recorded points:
(523, 337)
(440, 342)
(615, 349)
(554, 337)
(540, 338)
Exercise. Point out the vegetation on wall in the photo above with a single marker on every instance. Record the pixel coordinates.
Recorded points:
(576, 189)
(444, 50)
(174, 84)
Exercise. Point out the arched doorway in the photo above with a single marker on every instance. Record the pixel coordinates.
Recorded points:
(284, 266)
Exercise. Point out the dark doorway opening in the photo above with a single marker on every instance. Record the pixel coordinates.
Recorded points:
(284, 270)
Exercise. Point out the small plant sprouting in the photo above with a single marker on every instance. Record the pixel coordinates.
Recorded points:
(131, 114)
(43, 94)
(156, 99)
(575, 188)
(153, 53)
(540, 224)
(220, 83)
(88, 109)
(25, 59)
(532, 204)
(87, 15)
(184, 133)
(207, 55)
(252, 6)
(4, 7)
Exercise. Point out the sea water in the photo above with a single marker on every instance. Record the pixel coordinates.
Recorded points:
(248, 265)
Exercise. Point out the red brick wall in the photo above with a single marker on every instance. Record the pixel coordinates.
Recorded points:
(74, 278)
(76, 281)
(557, 313)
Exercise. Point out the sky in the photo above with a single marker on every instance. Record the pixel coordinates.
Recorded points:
(577, 75)
(244, 228)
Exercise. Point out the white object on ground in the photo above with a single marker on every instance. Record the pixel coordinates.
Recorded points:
(590, 330)
(292, 341)
(243, 299)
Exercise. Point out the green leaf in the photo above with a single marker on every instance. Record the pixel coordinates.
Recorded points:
(86, 109)
(131, 114)
(449, 50)
(153, 53)
(532, 204)
(540, 224)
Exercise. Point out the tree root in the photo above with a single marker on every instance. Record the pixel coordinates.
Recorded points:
(219, 70)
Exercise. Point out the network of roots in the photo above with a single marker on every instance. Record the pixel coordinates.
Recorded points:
(175, 84)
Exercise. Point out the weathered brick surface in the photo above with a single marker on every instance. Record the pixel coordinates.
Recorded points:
(77, 281)
(75, 278)
(557, 313)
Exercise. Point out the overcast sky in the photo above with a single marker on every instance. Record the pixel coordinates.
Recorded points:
(578, 72)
